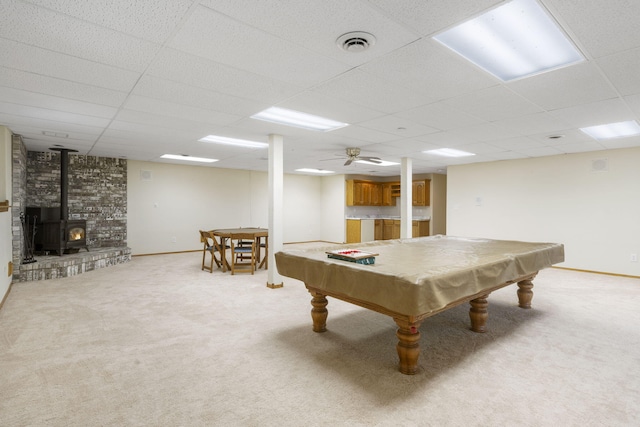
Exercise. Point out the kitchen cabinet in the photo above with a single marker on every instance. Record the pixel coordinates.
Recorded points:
(420, 228)
(359, 231)
(388, 189)
(353, 231)
(363, 193)
(420, 192)
(390, 229)
(378, 233)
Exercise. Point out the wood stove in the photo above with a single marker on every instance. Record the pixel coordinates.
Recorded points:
(54, 230)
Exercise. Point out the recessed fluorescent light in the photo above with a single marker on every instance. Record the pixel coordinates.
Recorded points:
(309, 170)
(233, 141)
(613, 130)
(378, 163)
(517, 39)
(449, 152)
(187, 158)
(298, 119)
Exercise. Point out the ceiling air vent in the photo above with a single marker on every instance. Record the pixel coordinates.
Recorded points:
(356, 41)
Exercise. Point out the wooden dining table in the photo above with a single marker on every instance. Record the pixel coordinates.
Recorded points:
(225, 233)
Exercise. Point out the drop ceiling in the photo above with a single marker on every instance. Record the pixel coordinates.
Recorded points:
(139, 79)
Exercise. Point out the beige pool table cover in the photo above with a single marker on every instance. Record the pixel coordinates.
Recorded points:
(420, 275)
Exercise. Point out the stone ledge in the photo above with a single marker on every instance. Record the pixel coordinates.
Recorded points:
(53, 266)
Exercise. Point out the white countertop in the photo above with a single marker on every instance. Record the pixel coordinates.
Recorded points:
(372, 217)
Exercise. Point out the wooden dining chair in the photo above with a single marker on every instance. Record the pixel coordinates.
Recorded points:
(212, 247)
(264, 244)
(243, 253)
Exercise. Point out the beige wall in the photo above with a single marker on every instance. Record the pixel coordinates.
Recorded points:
(5, 217)
(179, 200)
(595, 214)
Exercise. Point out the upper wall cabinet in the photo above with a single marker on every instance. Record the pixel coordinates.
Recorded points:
(421, 191)
(369, 193)
(364, 193)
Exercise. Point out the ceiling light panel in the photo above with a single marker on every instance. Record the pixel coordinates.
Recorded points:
(515, 40)
(187, 158)
(298, 119)
(310, 170)
(215, 139)
(449, 152)
(613, 130)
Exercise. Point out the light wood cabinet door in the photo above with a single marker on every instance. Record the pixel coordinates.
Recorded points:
(421, 192)
(378, 228)
(353, 231)
(387, 229)
(387, 198)
(423, 228)
(396, 229)
(376, 194)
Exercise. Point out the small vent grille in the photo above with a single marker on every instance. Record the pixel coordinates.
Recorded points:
(356, 41)
(599, 165)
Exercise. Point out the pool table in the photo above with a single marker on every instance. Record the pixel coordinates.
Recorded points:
(412, 279)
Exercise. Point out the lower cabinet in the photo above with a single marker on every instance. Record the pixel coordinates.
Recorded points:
(367, 230)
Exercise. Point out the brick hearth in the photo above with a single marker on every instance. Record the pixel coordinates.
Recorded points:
(53, 266)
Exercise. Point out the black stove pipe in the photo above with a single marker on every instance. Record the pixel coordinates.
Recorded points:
(64, 181)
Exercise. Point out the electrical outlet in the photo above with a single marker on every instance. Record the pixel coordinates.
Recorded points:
(633, 258)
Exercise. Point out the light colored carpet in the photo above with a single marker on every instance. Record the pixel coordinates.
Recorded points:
(158, 342)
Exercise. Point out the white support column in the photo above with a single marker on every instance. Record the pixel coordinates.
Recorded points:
(276, 232)
(406, 199)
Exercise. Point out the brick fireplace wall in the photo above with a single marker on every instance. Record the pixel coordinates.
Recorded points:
(97, 193)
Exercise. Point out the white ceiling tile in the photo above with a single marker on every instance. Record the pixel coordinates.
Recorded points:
(580, 147)
(37, 26)
(517, 144)
(595, 113)
(602, 28)
(432, 69)
(53, 115)
(358, 87)
(531, 124)
(15, 122)
(616, 143)
(434, 15)
(321, 23)
(540, 151)
(220, 38)
(33, 99)
(495, 103)
(171, 64)
(169, 109)
(485, 132)
(623, 69)
(329, 107)
(146, 19)
(66, 67)
(439, 115)
(565, 87)
(398, 126)
(31, 82)
(181, 94)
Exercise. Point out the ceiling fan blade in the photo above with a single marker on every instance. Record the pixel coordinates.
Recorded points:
(348, 162)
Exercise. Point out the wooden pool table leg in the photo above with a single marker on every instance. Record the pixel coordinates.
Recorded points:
(319, 311)
(479, 314)
(408, 346)
(525, 294)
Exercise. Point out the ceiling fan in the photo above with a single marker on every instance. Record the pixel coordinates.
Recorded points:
(353, 153)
